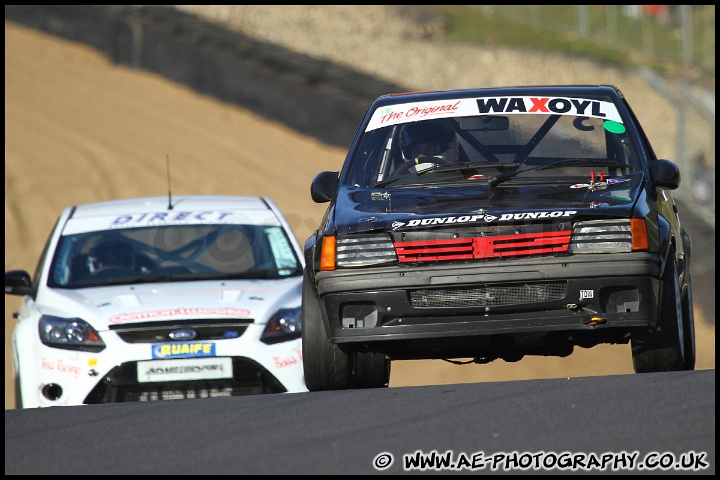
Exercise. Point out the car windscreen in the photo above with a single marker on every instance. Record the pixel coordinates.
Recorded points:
(550, 144)
(172, 253)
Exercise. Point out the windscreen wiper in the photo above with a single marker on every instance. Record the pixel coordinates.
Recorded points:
(469, 166)
(474, 166)
(579, 162)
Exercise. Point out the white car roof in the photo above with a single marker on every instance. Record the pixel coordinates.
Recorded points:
(186, 210)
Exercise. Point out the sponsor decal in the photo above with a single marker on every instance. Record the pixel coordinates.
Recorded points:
(424, 222)
(412, 112)
(579, 107)
(183, 349)
(181, 312)
(609, 181)
(207, 216)
(549, 105)
(60, 366)
(290, 360)
(184, 369)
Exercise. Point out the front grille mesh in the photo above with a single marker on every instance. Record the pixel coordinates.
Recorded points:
(507, 294)
(186, 390)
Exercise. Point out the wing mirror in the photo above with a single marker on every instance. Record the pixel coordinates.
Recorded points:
(17, 282)
(324, 186)
(665, 173)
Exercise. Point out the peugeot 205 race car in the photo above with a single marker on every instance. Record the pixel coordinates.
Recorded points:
(157, 298)
(494, 223)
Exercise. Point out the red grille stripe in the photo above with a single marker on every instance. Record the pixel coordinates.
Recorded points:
(483, 247)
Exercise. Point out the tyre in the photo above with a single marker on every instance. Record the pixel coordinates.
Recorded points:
(688, 327)
(328, 367)
(665, 347)
(369, 370)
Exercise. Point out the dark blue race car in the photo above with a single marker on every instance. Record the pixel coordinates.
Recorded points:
(494, 223)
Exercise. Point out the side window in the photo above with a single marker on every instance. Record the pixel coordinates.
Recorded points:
(371, 158)
(61, 266)
(282, 252)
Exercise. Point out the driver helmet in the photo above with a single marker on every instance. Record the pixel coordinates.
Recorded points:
(110, 253)
(431, 138)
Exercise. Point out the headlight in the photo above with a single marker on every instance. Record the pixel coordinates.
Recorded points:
(357, 251)
(69, 333)
(283, 326)
(609, 236)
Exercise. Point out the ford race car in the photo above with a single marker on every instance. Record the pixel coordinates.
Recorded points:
(157, 299)
(483, 224)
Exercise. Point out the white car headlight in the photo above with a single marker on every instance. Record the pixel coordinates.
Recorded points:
(283, 325)
(69, 333)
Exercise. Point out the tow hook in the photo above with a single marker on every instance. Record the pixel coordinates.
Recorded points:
(595, 321)
(592, 321)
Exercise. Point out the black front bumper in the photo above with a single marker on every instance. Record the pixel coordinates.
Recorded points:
(541, 294)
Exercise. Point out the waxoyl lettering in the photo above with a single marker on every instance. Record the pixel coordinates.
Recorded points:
(540, 105)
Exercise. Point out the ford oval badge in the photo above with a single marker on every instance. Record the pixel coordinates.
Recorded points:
(183, 334)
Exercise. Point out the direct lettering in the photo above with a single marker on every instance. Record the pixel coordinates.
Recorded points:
(165, 217)
(158, 216)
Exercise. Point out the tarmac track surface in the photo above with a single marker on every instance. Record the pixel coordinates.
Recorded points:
(669, 415)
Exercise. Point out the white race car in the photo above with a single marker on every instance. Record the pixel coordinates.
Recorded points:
(160, 298)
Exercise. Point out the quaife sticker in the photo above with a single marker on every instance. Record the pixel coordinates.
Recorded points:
(183, 349)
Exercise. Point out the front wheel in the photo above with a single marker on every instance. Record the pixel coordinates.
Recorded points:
(325, 365)
(666, 348)
(688, 327)
(369, 370)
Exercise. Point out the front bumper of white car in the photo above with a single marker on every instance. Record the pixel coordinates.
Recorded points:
(192, 369)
